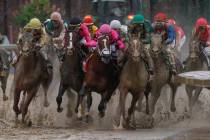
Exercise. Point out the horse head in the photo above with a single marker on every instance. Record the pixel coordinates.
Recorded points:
(194, 49)
(134, 48)
(26, 43)
(73, 39)
(104, 46)
(156, 43)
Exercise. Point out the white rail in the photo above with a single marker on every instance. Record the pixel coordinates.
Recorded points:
(9, 47)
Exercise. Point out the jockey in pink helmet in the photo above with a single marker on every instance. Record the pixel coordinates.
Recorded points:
(115, 38)
(180, 35)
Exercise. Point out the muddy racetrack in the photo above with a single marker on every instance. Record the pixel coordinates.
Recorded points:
(48, 124)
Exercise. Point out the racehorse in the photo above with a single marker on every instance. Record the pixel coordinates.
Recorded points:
(71, 71)
(30, 72)
(162, 75)
(134, 78)
(102, 76)
(196, 61)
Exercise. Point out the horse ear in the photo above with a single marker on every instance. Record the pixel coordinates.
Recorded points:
(21, 30)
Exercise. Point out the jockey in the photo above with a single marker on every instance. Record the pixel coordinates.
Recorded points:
(143, 27)
(116, 42)
(117, 26)
(35, 27)
(75, 24)
(89, 22)
(160, 26)
(202, 32)
(180, 35)
(54, 27)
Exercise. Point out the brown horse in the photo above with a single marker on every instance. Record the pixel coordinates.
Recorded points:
(162, 75)
(196, 61)
(102, 76)
(71, 71)
(134, 78)
(30, 73)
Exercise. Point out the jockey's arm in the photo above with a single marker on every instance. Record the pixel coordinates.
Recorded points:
(87, 41)
(171, 35)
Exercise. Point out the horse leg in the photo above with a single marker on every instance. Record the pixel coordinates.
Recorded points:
(123, 94)
(89, 103)
(101, 106)
(45, 88)
(30, 95)
(174, 89)
(23, 100)
(131, 109)
(3, 87)
(61, 91)
(79, 108)
(196, 95)
(155, 94)
(189, 90)
(71, 99)
(146, 93)
(16, 102)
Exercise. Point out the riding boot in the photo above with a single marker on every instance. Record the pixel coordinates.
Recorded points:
(149, 60)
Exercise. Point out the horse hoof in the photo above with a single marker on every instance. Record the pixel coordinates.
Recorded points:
(59, 110)
(131, 127)
(5, 98)
(101, 114)
(29, 123)
(88, 119)
(69, 114)
(46, 104)
(79, 118)
(173, 109)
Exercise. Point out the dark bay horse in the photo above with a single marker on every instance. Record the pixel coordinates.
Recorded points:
(134, 78)
(101, 76)
(196, 61)
(30, 72)
(162, 75)
(71, 71)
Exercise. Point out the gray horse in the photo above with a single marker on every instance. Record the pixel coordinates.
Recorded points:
(134, 79)
(196, 61)
(162, 75)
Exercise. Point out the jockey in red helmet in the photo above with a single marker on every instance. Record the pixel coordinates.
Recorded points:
(160, 26)
(89, 22)
(202, 32)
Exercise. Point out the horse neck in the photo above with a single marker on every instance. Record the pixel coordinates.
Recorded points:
(29, 62)
(135, 65)
(159, 63)
(195, 64)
